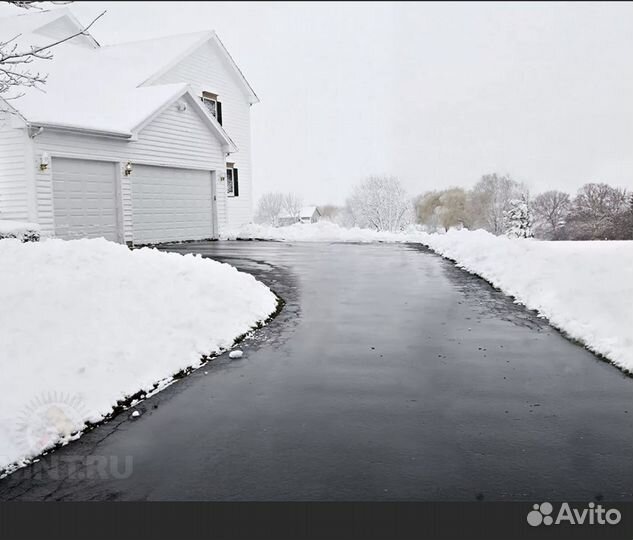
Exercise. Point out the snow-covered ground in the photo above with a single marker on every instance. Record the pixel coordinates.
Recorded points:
(323, 231)
(86, 323)
(583, 288)
(19, 229)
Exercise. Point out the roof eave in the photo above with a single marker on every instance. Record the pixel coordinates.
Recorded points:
(80, 129)
(229, 146)
(253, 97)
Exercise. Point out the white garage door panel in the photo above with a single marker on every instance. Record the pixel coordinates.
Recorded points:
(171, 204)
(84, 199)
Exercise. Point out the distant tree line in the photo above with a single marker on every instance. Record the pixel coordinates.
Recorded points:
(499, 205)
(378, 202)
(273, 206)
(496, 203)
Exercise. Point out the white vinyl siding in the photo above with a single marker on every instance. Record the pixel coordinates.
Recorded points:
(85, 199)
(14, 194)
(171, 204)
(175, 138)
(206, 69)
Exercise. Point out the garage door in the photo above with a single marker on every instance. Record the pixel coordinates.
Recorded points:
(171, 204)
(84, 199)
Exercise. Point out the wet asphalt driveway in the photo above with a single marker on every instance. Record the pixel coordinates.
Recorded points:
(389, 375)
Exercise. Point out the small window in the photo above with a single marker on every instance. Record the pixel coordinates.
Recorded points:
(232, 181)
(212, 103)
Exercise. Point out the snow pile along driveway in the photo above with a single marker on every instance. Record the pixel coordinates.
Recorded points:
(583, 288)
(86, 323)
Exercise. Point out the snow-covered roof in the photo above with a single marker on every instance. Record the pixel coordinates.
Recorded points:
(308, 211)
(92, 87)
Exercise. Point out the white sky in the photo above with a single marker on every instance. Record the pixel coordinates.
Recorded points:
(437, 94)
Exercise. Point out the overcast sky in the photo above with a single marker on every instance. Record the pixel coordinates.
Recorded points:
(436, 94)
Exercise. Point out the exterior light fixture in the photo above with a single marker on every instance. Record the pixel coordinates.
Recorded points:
(45, 161)
(222, 178)
(127, 170)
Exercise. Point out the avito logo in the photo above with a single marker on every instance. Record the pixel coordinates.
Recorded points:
(592, 514)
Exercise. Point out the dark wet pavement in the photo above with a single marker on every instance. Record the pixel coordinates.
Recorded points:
(389, 375)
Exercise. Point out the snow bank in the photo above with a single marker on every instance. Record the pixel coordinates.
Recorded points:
(26, 232)
(583, 288)
(86, 323)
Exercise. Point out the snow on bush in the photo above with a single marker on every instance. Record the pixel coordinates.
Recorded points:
(518, 219)
(87, 323)
(26, 232)
(583, 288)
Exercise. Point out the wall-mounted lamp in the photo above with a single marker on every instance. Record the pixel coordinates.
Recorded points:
(222, 178)
(127, 170)
(45, 161)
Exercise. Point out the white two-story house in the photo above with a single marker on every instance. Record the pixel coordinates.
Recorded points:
(142, 142)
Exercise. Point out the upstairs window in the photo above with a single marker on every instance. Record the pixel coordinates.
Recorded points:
(212, 103)
(232, 181)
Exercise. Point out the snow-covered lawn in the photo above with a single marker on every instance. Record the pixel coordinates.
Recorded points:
(19, 229)
(583, 288)
(323, 231)
(86, 323)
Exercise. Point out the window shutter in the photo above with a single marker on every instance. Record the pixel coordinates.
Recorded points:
(236, 183)
(218, 108)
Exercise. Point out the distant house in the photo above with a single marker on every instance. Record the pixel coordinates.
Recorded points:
(310, 214)
(307, 214)
(141, 142)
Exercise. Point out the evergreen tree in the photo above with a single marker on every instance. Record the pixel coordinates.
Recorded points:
(518, 218)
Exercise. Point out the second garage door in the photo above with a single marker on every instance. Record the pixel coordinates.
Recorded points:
(170, 204)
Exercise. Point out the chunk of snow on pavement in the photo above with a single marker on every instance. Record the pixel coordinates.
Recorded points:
(87, 323)
(584, 288)
(236, 354)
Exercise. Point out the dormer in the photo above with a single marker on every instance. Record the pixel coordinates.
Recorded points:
(64, 26)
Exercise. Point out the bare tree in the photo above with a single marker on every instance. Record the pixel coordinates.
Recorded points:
(426, 206)
(292, 205)
(550, 214)
(268, 208)
(490, 200)
(598, 212)
(447, 208)
(16, 59)
(380, 203)
(344, 217)
(330, 212)
(453, 210)
(36, 5)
